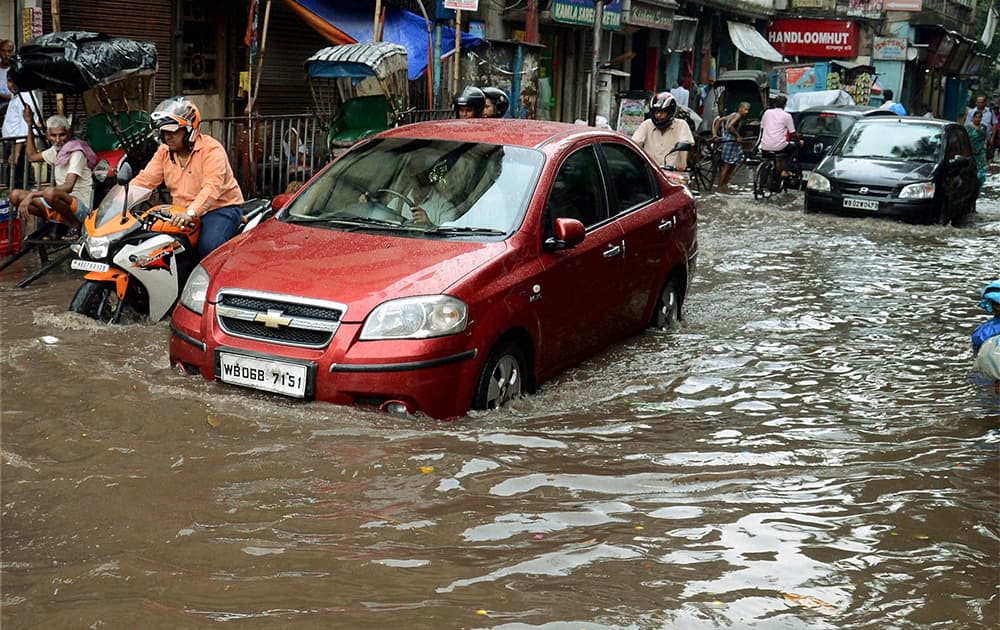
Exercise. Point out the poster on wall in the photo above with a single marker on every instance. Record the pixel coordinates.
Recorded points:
(865, 8)
(631, 113)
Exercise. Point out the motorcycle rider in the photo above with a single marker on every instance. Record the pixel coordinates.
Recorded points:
(196, 169)
(497, 102)
(470, 103)
(659, 134)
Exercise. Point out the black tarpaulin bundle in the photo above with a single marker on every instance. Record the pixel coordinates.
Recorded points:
(76, 61)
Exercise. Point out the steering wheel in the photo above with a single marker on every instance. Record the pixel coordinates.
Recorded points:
(399, 196)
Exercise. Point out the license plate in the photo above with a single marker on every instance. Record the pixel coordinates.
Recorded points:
(89, 265)
(861, 204)
(268, 375)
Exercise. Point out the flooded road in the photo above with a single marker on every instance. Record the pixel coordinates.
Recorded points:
(811, 450)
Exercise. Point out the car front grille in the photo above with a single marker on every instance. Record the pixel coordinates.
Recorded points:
(869, 191)
(276, 318)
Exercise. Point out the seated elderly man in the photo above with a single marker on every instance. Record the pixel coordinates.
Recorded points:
(67, 202)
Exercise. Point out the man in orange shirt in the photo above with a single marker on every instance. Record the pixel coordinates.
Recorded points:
(196, 169)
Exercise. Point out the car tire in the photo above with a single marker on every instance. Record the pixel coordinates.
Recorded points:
(503, 377)
(667, 314)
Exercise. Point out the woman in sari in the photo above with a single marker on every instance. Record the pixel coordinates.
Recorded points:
(977, 137)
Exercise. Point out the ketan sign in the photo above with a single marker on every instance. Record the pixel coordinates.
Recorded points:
(833, 39)
(583, 12)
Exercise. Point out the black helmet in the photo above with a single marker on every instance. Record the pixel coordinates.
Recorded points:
(664, 101)
(501, 102)
(471, 97)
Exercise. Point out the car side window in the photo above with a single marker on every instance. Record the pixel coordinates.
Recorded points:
(958, 143)
(632, 183)
(578, 191)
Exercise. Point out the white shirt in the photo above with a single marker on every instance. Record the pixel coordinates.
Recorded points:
(681, 94)
(13, 121)
(83, 189)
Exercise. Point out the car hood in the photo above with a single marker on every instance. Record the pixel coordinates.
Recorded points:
(358, 269)
(875, 171)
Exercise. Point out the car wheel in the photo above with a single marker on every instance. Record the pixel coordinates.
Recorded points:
(667, 315)
(502, 378)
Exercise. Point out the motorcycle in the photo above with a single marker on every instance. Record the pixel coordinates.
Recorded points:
(136, 260)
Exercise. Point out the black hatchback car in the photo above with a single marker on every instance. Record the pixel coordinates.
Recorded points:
(920, 170)
(821, 126)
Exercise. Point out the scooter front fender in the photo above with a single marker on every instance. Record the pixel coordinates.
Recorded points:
(119, 277)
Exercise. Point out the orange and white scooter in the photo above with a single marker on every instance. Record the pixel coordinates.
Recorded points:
(137, 261)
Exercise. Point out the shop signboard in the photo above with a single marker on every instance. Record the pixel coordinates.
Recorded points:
(462, 5)
(650, 15)
(889, 48)
(913, 6)
(631, 113)
(583, 12)
(828, 39)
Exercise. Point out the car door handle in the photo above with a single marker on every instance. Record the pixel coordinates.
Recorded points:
(668, 224)
(614, 250)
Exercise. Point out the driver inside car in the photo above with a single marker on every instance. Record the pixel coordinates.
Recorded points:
(426, 190)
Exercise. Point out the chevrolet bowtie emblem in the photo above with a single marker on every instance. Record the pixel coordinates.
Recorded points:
(272, 318)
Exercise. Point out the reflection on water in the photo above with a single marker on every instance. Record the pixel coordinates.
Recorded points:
(811, 450)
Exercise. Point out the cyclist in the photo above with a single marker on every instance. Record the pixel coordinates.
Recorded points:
(778, 135)
(659, 134)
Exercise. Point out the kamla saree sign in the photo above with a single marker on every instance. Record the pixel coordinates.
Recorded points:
(583, 12)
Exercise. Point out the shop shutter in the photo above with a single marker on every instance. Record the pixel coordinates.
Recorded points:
(290, 42)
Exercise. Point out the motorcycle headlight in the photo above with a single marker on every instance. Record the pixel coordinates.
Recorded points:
(923, 190)
(817, 182)
(97, 246)
(416, 318)
(196, 289)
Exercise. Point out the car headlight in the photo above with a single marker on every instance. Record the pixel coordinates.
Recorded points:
(817, 182)
(193, 295)
(923, 190)
(97, 246)
(416, 318)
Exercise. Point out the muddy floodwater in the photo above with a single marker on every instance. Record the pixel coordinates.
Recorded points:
(811, 450)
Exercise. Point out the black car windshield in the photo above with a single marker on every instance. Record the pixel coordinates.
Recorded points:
(894, 141)
(420, 187)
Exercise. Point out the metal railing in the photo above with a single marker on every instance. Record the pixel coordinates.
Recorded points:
(287, 150)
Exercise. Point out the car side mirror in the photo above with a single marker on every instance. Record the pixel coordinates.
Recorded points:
(281, 200)
(568, 234)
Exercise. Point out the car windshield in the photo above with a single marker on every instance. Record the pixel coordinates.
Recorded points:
(423, 188)
(894, 141)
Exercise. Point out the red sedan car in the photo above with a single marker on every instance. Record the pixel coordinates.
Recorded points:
(444, 266)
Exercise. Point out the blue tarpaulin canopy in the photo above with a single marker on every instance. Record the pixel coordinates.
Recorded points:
(348, 22)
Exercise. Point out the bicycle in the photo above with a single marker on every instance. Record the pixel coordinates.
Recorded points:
(766, 181)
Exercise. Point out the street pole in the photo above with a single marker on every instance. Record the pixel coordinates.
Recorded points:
(598, 18)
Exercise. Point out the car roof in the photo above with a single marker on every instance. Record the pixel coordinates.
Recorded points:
(507, 131)
(906, 120)
(858, 110)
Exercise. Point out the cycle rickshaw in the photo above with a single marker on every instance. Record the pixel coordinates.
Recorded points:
(109, 82)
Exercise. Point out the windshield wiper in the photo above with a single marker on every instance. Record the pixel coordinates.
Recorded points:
(344, 220)
(464, 230)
